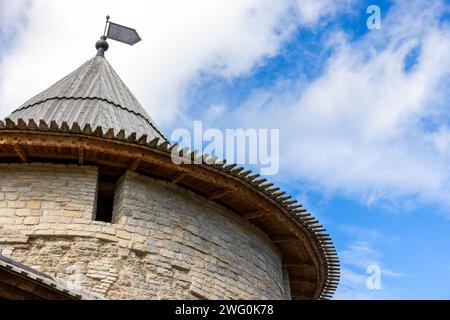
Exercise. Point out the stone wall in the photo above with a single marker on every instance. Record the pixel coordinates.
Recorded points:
(164, 243)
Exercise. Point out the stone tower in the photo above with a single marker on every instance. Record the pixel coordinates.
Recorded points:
(90, 199)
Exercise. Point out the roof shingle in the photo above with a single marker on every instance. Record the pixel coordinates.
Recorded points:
(93, 94)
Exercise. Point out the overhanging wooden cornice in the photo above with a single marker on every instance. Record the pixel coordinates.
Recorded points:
(281, 212)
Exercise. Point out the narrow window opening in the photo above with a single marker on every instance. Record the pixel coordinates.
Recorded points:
(105, 198)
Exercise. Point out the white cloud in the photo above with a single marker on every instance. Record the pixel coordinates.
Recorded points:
(367, 234)
(361, 254)
(360, 258)
(353, 287)
(215, 112)
(312, 10)
(181, 39)
(358, 129)
(11, 14)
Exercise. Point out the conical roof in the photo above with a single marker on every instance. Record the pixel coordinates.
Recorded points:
(93, 94)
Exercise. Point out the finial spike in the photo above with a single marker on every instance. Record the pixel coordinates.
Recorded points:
(102, 46)
(106, 25)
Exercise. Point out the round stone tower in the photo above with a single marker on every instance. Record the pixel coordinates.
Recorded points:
(89, 195)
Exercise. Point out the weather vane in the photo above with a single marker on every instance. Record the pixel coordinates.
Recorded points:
(116, 32)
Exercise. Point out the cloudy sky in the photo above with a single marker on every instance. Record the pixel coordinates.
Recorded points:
(363, 114)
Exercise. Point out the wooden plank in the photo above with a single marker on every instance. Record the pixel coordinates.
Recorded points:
(283, 238)
(218, 194)
(297, 264)
(255, 214)
(301, 281)
(178, 177)
(20, 152)
(81, 156)
(135, 164)
(114, 164)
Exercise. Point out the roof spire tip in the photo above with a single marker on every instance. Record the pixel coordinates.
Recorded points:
(102, 46)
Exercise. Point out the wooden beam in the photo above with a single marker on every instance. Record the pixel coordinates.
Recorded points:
(218, 194)
(296, 264)
(109, 163)
(306, 270)
(20, 152)
(178, 177)
(301, 281)
(283, 239)
(135, 164)
(304, 286)
(255, 214)
(81, 156)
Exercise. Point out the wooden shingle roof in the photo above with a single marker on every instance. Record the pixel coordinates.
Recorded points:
(93, 94)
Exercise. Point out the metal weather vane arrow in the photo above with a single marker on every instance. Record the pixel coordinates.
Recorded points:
(121, 33)
(116, 32)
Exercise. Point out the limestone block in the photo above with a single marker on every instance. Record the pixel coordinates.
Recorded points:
(28, 221)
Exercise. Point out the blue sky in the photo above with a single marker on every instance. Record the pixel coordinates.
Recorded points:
(363, 114)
